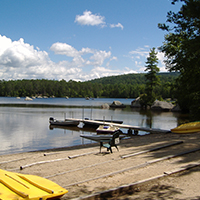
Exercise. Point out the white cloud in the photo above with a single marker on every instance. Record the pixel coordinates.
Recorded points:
(128, 71)
(86, 50)
(99, 72)
(114, 58)
(64, 49)
(142, 54)
(20, 60)
(102, 72)
(119, 25)
(19, 54)
(98, 57)
(90, 19)
(161, 57)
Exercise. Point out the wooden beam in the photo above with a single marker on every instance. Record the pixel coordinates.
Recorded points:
(134, 167)
(136, 128)
(154, 149)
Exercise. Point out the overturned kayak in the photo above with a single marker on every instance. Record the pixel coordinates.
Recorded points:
(191, 127)
(22, 186)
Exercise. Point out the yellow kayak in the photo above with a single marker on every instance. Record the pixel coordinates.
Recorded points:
(29, 187)
(191, 127)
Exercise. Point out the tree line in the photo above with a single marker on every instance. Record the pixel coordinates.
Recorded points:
(122, 86)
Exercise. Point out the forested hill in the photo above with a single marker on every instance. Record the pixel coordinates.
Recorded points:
(134, 78)
(122, 86)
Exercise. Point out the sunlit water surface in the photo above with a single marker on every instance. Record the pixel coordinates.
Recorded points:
(24, 125)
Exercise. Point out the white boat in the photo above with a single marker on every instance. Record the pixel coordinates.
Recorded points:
(65, 122)
(107, 129)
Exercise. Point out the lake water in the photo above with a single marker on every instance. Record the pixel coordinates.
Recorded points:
(24, 125)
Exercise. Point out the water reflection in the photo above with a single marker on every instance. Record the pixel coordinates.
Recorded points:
(27, 128)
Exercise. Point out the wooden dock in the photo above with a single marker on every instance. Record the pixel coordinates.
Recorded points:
(129, 127)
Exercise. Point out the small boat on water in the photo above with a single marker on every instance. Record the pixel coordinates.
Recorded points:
(107, 129)
(191, 127)
(25, 186)
(65, 122)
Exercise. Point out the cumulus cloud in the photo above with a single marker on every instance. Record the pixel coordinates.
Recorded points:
(161, 57)
(114, 58)
(64, 49)
(20, 60)
(102, 72)
(96, 59)
(19, 54)
(90, 19)
(142, 53)
(99, 72)
(119, 25)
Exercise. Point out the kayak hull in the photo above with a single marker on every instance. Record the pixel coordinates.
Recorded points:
(30, 187)
(192, 127)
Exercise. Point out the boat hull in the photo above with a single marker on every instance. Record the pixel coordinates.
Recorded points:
(56, 122)
(192, 127)
(29, 187)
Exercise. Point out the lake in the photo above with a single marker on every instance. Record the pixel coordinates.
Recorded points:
(24, 125)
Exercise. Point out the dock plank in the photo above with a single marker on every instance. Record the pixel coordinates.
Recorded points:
(135, 128)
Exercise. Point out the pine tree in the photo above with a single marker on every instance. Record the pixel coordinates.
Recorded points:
(152, 79)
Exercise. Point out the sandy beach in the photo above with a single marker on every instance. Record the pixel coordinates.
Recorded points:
(153, 166)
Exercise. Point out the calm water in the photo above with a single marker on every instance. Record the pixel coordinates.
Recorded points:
(24, 125)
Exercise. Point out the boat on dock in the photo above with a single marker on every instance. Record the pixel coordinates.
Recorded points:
(66, 122)
(107, 129)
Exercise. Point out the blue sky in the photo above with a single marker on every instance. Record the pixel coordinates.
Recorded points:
(79, 39)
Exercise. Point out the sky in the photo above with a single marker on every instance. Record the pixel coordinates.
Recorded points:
(79, 40)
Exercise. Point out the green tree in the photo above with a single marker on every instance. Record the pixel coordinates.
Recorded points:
(181, 47)
(152, 80)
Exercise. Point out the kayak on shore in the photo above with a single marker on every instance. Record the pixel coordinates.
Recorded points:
(191, 127)
(24, 186)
